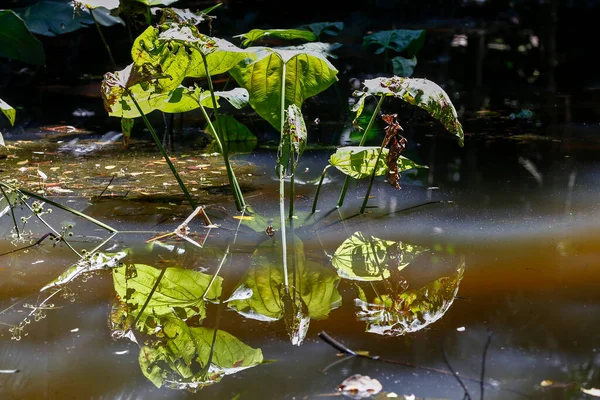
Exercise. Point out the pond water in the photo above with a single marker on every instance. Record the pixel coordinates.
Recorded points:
(496, 241)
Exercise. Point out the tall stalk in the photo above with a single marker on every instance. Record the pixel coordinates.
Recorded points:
(162, 151)
(282, 185)
(240, 203)
(362, 142)
(366, 199)
(112, 59)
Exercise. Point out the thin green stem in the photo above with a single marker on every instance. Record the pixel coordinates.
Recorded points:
(366, 199)
(282, 184)
(314, 207)
(162, 151)
(12, 212)
(240, 203)
(64, 208)
(363, 139)
(106, 46)
(292, 181)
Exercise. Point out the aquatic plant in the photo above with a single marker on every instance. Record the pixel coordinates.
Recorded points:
(405, 41)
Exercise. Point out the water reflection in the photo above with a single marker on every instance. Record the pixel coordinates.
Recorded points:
(261, 294)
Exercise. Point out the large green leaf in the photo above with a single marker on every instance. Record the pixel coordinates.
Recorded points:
(411, 310)
(404, 66)
(261, 294)
(181, 359)
(17, 42)
(306, 74)
(359, 161)
(422, 93)
(409, 41)
(143, 87)
(180, 292)
(288, 34)
(177, 49)
(363, 258)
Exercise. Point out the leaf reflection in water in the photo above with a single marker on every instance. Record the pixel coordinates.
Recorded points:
(411, 310)
(261, 294)
(362, 258)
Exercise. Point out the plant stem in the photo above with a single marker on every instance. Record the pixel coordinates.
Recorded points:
(282, 185)
(240, 203)
(12, 212)
(363, 139)
(162, 151)
(314, 207)
(292, 181)
(112, 60)
(366, 199)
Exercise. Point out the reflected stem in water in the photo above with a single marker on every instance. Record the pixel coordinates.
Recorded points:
(37, 242)
(454, 373)
(483, 357)
(158, 279)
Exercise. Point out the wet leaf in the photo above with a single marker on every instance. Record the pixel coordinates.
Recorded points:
(17, 42)
(293, 140)
(400, 40)
(422, 93)
(363, 258)
(411, 310)
(261, 294)
(404, 66)
(288, 34)
(181, 359)
(233, 131)
(307, 73)
(179, 290)
(330, 28)
(98, 261)
(359, 162)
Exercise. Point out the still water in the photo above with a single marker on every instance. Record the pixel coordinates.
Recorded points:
(489, 254)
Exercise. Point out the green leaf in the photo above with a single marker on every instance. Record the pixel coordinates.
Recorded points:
(330, 28)
(7, 110)
(17, 42)
(307, 74)
(404, 66)
(108, 4)
(359, 161)
(288, 34)
(293, 139)
(180, 291)
(177, 49)
(181, 16)
(261, 294)
(422, 93)
(411, 310)
(181, 359)
(400, 40)
(324, 49)
(369, 259)
(12, 196)
(233, 131)
(126, 127)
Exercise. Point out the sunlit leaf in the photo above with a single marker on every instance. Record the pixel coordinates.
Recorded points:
(422, 93)
(306, 74)
(592, 392)
(261, 294)
(98, 261)
(181, 16)
(177, 49)
(363, 258)
(233, 131)
(288, 34)
(410, 311)
(181, 359)
(293, 139)
(7, 110)
(17, 42)
(11, 199)
(180, 292)
(404, 66)
(359, 162)
(108, 4)
(360, 387)
(330, 28)
(400, 40)
(325, 49)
